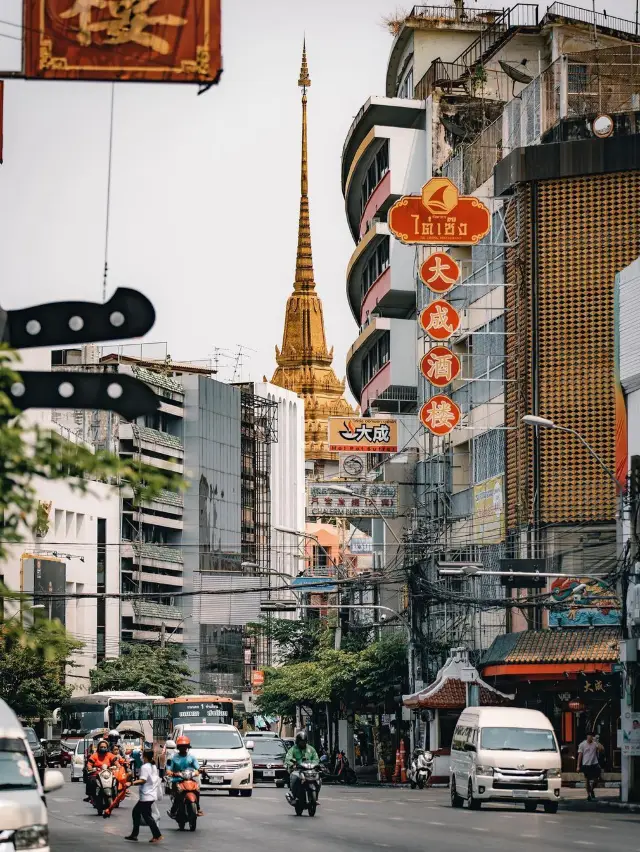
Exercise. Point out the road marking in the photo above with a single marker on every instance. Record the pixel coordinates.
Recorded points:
(382, 845)
(433, 822)
(604, 827)
(360, 813)
(476, 828)
(584, 843)
(397, 818)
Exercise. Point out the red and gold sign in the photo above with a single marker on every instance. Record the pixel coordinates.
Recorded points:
(440, 216)
(163, 40)
(440, 366)
(439, 272)
(439, 319)
(440, 415)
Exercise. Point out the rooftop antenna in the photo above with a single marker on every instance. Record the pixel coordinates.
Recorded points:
(239, 362)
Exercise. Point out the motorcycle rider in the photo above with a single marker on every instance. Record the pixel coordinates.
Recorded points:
(299, 753)
(99, 760)
(178, 763)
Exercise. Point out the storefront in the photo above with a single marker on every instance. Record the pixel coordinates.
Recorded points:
(570, 675)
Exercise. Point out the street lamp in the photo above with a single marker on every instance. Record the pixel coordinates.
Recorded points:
(341, 489)
(22, 612)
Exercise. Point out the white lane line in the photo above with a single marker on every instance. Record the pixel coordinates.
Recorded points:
(382, 845)
(433, 822)
(360, 813)
(583, 843)
(398, 819)
(604, 827)
(476, 828)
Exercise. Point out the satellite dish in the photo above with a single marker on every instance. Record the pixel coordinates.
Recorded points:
(515, 73)
(452, 127)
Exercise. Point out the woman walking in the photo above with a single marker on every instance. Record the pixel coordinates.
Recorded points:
(149, 781)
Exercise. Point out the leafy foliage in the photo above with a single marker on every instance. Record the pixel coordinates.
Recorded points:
(153, 670)
(295, 641)
(32, 662)
(28, 453)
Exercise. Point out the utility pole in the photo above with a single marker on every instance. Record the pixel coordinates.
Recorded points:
(163, 635)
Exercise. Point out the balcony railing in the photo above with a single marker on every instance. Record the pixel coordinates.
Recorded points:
(452, 14)
(588, 16)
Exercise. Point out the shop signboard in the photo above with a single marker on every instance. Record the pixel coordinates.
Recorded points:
(488, 511)
(439, 320)
(630, 724)
(439, 216)
(439, 272)
(440, 366)
(366, 500)
(45, 579)
(440, 415)
(362, 435)
(586, 603)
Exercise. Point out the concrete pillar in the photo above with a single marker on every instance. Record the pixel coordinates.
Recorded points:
(434, 731)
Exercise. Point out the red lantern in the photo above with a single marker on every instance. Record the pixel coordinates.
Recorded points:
(576, 705)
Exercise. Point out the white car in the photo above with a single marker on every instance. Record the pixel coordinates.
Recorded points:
(225, 761)
(77, 762)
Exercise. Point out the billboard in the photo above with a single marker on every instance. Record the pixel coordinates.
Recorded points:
(362, 435)
(488, 511)
(43, 578)
(587, 603)
(351, 465)
(366, 500)
(162, 40)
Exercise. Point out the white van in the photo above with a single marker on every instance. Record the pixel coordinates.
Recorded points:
(505, 753)
(24, 822)
(225, 761)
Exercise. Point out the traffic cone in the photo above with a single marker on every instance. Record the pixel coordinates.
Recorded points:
(403, 764)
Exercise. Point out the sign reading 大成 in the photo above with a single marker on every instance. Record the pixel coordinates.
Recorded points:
(352, 500)
(362, 435)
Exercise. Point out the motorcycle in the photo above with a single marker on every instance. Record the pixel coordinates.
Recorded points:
(106, 788)
(308, 789)
(186, 805)
(342, 772)
(420, 769)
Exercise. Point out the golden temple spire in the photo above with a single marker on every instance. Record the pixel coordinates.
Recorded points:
(304, 362)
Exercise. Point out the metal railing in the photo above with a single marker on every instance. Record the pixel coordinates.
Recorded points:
(588, 16)
(453, 14)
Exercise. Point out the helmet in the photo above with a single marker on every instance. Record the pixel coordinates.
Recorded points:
(114, 736)
(302, 739)
(183, 741)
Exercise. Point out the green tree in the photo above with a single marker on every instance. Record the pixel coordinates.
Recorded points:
(153, 670)
(294, 641)
(32, 662)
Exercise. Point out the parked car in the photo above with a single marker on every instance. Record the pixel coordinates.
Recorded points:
(268, 757)
(252, 735)
(225, 762)
(505, 753)
(24, 821)
(77, 763)
(38, 750)
(57, 755)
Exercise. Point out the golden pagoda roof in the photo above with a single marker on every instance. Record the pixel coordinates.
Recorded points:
(304, 362)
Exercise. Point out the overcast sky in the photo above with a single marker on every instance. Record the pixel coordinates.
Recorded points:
(205, 189)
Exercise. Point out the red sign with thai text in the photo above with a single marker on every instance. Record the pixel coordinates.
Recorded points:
(439, 272)
(163, 40)
(440, 366)
(440, 320)
(440, 415)
(439, 216)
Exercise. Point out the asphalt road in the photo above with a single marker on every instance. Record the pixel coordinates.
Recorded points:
(362, 819)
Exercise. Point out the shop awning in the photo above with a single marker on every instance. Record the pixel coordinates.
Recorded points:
(449, 691)
(552, 653)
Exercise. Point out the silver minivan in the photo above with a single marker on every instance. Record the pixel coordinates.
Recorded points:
(24, 822)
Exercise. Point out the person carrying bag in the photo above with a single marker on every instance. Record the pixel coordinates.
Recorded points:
(149, 782)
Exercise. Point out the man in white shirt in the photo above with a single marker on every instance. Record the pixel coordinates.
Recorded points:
(148, 781)
(589, 759)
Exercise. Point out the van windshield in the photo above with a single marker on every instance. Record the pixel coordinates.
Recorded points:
(518, 739)
(15, 767)
(215, 739)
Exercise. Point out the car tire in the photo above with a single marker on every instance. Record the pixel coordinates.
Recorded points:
(280, 784)
(551, 807)
(531, 807)
(246, 793)
(474, 804)
(456, 800)
(74, 780)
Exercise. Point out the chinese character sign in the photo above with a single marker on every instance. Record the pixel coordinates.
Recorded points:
(440, 366)
(599, 685)
(362, 435)
(439, 272)
(440, 415)
(440, 216)
(163, 40)
(365, 500)
(440, 320)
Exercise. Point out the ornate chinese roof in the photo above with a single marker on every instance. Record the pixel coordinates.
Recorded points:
(565, 645)
(304, 362)
(449, 692)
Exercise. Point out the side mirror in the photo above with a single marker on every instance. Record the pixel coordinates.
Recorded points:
(250, 744)
(170, 744)
(43, 741)
(53, 780)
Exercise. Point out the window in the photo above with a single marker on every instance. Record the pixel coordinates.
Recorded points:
(577, 82)
(378, 168)
(488, 361)
(375, 266)
(376, 358)
(518, 739)
(405, 89)
(488, 455)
